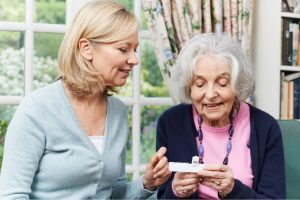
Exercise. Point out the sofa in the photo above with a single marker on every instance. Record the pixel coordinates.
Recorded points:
(291, 141)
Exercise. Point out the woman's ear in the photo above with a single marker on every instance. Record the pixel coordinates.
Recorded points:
(85, 48)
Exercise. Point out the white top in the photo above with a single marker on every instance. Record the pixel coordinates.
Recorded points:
(98, 142)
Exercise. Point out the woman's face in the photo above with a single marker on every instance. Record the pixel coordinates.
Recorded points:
(211, 89)
(115, 60)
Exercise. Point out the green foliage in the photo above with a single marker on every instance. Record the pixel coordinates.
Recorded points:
(47, 44)
(3, 128)
(144, 21)
(12, 10)
(129, 147)
(50, 11)
(149, 117)
(153, 84)
(11, 39)
(127, 3)
(151, 74)
(12, 71)
(7, 111)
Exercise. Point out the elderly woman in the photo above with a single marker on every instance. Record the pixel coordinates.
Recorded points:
(240, 145)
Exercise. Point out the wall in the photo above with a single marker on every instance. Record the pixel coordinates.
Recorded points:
(266, 54)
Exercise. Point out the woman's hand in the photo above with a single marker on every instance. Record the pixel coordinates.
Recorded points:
(157, 171)
(185, 184)
(219, 177)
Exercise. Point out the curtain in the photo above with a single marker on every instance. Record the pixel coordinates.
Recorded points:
(173, 22)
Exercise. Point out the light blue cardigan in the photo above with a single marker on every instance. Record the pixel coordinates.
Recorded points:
(47, 155)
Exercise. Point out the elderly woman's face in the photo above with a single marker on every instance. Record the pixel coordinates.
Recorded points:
(211, 89)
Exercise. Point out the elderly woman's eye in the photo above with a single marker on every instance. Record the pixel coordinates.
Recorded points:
(199, 83)
(223, 82)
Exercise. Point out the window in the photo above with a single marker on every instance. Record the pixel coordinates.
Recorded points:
(30, 35)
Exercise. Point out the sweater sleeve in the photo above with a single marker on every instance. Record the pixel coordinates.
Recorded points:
(271, 172)
(23, 148)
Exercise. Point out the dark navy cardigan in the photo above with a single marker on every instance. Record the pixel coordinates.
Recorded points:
(176, 131)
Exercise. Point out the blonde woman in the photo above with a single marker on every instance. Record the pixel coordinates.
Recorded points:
(68, 139)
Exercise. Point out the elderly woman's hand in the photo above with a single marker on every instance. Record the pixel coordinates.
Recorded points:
(219, 177)
(157, 171)
(185, 184)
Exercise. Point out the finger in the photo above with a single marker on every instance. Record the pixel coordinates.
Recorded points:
(211, 174)
(161, 168)
(163, 162)
(187, 175)
(209, 184)
(216, 167)
(167, 174)
(209, 179)
(217, 184)
(189, 189)
(192, 175)
(195, 189)
(157, 156)
(164, 176)
(161, 152)
(153, 161)
(186, 182)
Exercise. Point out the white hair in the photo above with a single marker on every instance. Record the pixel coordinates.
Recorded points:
(220, 45)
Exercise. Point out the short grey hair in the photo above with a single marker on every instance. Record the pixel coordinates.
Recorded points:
(242, 75)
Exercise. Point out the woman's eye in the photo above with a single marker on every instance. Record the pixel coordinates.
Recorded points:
(123, 50)
(199, 84)
(223, 83)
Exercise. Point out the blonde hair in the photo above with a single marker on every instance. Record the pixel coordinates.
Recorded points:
(101, 21)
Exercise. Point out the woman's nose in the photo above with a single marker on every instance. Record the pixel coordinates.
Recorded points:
(210, 92)
(133, 59)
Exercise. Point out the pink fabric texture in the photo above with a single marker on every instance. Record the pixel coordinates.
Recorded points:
(215, 141)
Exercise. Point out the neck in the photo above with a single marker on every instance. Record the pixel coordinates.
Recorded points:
(217, 123)
(90, 111)
(88, 101)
